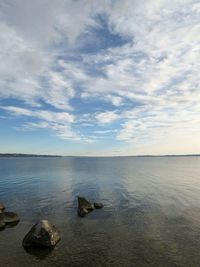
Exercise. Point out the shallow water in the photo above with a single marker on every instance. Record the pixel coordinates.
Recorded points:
(151, 214)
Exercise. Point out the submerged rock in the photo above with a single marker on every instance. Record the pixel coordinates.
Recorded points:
(42, 234)
(2, 224)
(84, 206)
(10, 217)
(2, 207)
(98, 205)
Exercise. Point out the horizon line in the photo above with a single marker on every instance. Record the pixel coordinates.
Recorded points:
(97, 156)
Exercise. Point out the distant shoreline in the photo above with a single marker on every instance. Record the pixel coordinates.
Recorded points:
(9, 155)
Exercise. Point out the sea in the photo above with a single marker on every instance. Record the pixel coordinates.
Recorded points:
(151, 213)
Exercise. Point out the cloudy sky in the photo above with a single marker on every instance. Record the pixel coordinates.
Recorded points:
(90, 77)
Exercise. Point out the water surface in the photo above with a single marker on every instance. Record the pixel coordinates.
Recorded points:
(151, 214)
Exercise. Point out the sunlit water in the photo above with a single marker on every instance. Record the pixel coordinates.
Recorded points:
(151, 214)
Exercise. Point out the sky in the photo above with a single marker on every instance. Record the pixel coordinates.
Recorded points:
(100, 78)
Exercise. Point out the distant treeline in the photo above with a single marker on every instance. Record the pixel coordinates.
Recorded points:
(186, 155)
(25, 155)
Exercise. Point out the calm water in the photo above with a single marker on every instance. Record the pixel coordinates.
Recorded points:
(151, 215)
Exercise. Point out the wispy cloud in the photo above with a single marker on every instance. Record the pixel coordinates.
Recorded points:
(61, 117)
(106, 117)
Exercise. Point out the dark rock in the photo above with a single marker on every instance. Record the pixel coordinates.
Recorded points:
(38, 253)
(82, 212)
(2, 224)
(84, 206)
(2, 207)
(98, 205)
(10, 217)
(42, 234)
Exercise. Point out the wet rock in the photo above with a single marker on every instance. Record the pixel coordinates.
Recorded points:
(38, 253)
(82, 212)
(98, 205)
(84, 206)
(10, 217)
(42, 234)
(2, 207)
(2, 224)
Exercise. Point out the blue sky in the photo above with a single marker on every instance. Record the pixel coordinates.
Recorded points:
(88, 77)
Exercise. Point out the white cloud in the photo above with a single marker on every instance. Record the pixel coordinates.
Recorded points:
(152, 80)
(106, 117)
(45, 22)
(62, 130)
(60, 117)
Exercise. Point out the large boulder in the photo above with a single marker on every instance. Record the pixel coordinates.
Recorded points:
(2, 207)
(42, 234)
(9, 217)
(84, 206)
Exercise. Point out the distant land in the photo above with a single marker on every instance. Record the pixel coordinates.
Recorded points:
(47, 156)
(25, 155)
